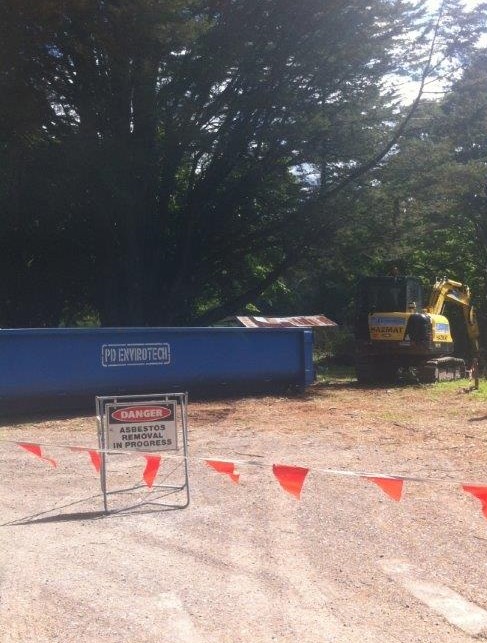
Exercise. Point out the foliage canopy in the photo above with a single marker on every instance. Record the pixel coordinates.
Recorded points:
(168, 161)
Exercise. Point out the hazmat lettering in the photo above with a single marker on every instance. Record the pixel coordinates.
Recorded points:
(387, 327)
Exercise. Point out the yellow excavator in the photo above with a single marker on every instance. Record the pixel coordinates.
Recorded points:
(396, 329)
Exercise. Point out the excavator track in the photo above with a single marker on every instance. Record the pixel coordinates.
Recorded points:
(442, 369)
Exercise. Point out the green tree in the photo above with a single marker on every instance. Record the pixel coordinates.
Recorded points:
(425, 209)
(172, 160)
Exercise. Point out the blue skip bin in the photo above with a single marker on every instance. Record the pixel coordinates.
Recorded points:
(51, 368)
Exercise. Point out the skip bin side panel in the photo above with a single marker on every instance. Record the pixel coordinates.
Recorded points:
(64, 363)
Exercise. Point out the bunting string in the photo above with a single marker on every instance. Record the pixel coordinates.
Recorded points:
(258, 463)
(290, 478)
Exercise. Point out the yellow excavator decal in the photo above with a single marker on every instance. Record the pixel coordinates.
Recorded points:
(387, 327)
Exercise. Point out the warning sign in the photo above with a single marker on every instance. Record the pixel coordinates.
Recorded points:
(142, 427)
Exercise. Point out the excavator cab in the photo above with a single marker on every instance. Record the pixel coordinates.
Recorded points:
(386, 295)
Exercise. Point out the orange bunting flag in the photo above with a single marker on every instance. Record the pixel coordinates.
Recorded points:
(95, 459)
(392, 486)
(227, 468)
(151, 469)
(291, 479)
(36, 450)
(480, 493)
(94, 456)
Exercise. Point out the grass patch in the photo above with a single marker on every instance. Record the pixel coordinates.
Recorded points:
(440, 389)
(332, 373)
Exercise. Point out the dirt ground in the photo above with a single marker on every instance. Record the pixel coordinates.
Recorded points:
(249, 562)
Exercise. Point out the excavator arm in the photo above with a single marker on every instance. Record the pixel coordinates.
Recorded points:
(447, 290)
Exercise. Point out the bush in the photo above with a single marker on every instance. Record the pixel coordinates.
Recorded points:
(335, 346)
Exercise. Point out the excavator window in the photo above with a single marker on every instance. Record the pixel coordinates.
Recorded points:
(415, 295)
(389, 294)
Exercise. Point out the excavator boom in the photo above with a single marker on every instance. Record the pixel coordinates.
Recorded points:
(447, 290)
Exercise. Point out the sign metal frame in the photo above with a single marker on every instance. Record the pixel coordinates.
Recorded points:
(177, 428)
